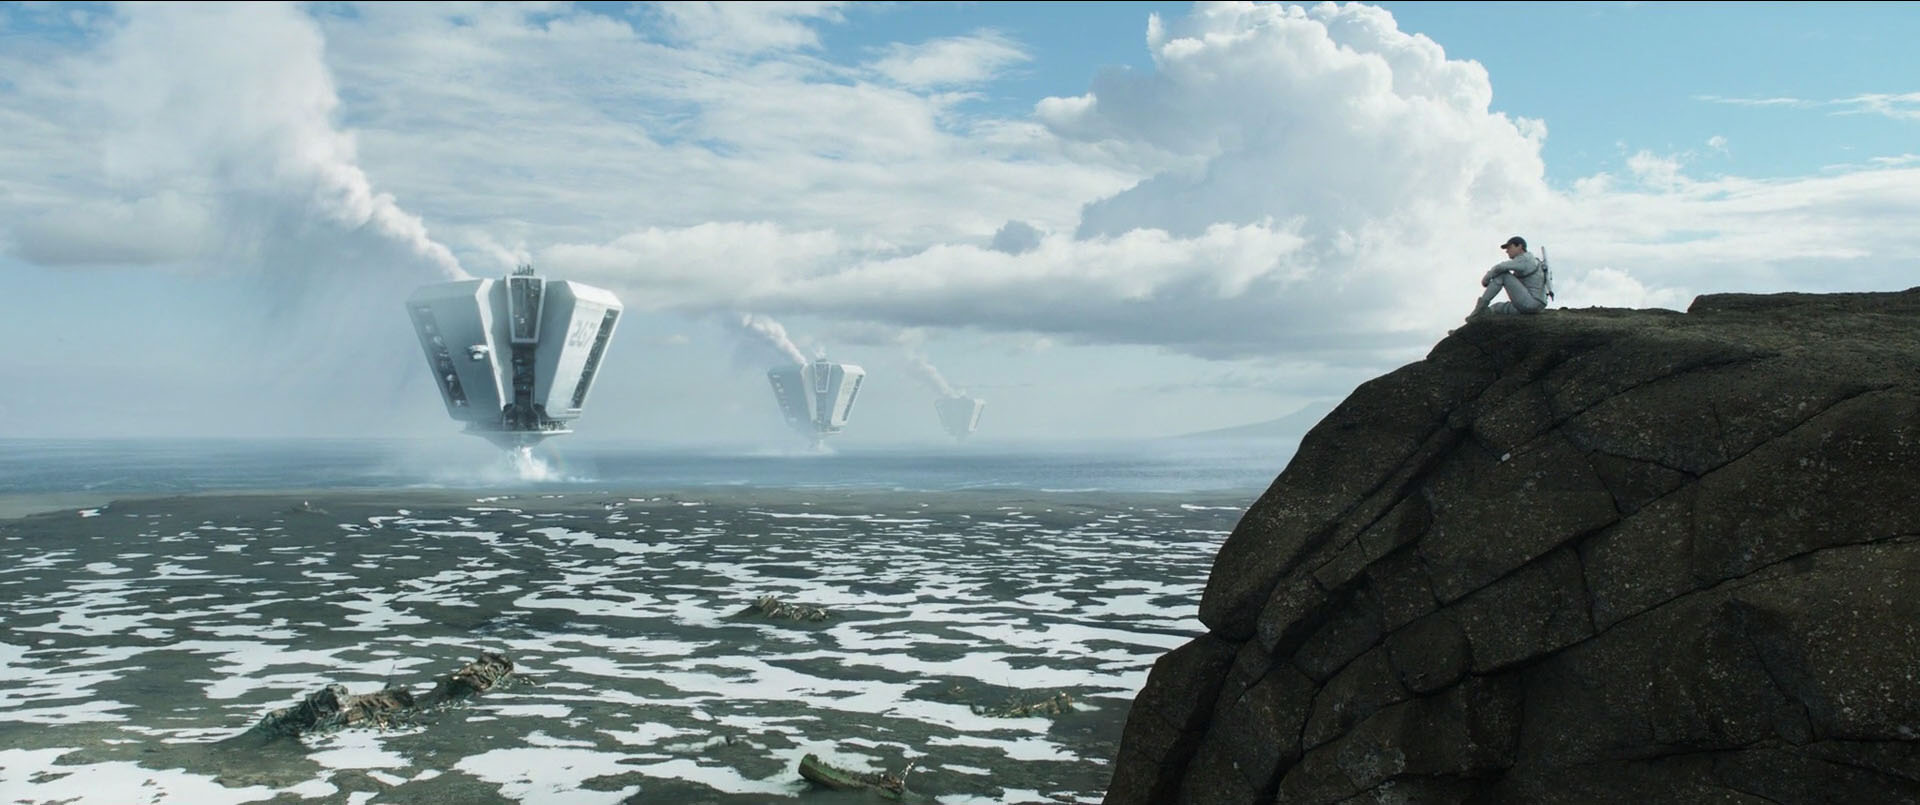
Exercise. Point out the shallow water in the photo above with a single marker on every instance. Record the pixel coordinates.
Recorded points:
(134, 636)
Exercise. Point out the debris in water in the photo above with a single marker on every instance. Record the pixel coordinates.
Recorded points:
(770, 607)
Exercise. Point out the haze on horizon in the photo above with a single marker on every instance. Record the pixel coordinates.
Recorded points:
(1107, 220)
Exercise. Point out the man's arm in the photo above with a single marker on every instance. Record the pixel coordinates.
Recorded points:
(1520, 266)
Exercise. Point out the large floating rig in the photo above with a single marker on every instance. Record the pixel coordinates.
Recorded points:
(514, 357)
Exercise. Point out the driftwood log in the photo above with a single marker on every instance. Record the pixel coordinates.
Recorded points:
(332, 707)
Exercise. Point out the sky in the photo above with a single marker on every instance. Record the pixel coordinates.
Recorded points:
(1108, 220)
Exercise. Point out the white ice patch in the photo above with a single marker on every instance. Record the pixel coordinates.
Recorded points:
(548, 775)
(355, 749)
(36, 773)
(724, 778)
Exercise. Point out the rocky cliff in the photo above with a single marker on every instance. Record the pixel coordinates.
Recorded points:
(1589, 556)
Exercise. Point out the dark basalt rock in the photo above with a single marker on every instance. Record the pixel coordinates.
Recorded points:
(1588, 556)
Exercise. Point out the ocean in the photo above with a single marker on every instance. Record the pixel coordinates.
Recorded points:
(171, 466)
(193, 587)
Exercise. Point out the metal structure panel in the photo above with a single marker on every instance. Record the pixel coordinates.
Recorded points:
(526, 301)
(579, 321)
(836, 400)
(790, 391)
(454, 321)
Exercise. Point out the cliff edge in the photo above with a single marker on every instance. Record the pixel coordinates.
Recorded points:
(1589, 556)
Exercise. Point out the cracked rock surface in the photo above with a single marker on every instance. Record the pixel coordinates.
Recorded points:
(1588, 556)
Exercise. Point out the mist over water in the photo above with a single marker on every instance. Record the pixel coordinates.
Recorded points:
(529, 467)
(178, 466)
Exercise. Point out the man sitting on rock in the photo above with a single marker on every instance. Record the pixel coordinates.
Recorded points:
(1521, 275)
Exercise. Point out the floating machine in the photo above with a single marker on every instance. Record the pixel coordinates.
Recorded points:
(959, 414)
(515, 357)
(817, 397)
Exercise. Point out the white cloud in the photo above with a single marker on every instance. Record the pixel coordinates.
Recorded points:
(1302, 182)
(203, 138)
(706, 266)
(1903, 106)
(592, 130)
(1655, 171)
(746, 25)
(165, 228)
(1899, 106)
(954, 61)
(1287, 179)
(238, 102)
(1611, 287)
(1775, 101)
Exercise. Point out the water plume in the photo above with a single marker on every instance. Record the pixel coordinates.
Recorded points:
(926, 371)
(764, 330)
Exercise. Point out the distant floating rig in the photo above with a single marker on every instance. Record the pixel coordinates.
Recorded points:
(817, 397)
(959, 414)
(514, 358)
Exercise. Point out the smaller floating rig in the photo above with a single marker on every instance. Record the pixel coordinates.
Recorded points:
(817, 397)
(515, 357)
(959, 414)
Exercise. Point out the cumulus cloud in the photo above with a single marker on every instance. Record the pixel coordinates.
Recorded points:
(1611, 287)
(1285, 180)
(1328, 114)
(1299, 172)
(1655, 171)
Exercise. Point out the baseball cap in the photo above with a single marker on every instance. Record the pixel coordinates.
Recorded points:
(1516, 240)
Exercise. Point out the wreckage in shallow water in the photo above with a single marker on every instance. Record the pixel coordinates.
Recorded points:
(1057, 704)
(887, 786)
(773, 608)
(332, 707)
